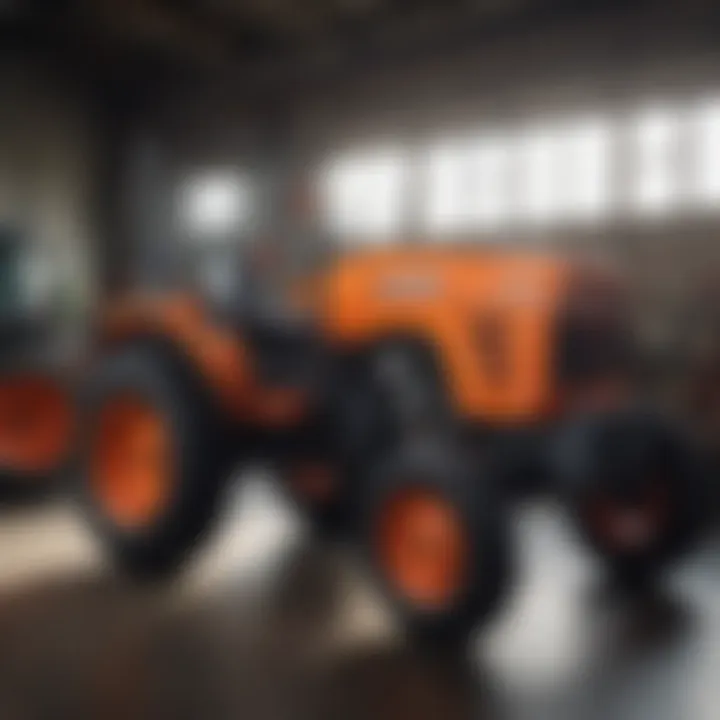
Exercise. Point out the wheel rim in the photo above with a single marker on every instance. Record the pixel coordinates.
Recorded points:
(130, 468)
(422, 548)
(36, 422)
(631, 526)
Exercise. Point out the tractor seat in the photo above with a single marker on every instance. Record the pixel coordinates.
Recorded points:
(282, 342)
(285, 346)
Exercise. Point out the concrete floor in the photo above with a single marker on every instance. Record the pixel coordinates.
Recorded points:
(267, 625)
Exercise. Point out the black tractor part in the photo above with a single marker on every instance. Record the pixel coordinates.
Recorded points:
(635, 488)
(435, 534)
(371, 402)
(143, 539)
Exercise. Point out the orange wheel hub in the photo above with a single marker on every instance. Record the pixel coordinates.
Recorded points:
(422, 547)
(130, 465)
(36, 424)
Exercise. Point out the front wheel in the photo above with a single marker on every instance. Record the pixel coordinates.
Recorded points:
(436, 536)
(154, 461)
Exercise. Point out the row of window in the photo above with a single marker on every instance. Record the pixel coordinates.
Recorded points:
(574, 170)
(579, 170)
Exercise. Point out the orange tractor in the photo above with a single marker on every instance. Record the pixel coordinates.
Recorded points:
(404, 395)
(36, 405)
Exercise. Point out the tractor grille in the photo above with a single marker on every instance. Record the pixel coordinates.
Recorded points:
(492, 344)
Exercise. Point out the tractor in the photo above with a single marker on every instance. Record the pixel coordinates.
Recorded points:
(405, 396)
(37, 415)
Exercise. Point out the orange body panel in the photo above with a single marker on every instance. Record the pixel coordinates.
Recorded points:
(488, 315)
(215, 350)
(37, 423)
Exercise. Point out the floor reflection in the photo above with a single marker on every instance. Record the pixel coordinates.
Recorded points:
(85, 645)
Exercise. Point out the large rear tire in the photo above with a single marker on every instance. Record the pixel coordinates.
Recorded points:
(436, 535)
(154, 462)
(637, 492)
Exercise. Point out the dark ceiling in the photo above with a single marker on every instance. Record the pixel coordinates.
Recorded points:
(278, 46)
(248, 33)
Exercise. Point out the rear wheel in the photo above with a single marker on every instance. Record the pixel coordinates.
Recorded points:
(155, 459)
(436, 536)
(637, 493)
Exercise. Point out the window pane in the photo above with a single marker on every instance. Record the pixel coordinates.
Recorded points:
(363, 194)
(583, 174)
(655, 134)
(707, 186)
(446, 186)
(215, 204)
(467, 185)
(490, 159)
(563, 171)
(537, 161)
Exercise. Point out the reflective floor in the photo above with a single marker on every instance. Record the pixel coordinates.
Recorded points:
(267, 624)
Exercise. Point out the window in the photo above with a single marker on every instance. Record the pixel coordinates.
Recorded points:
(656, 187)
(446, 209)
(563, 172)
(216, 204)
(362, 194)
(544, 173)
(538, 151)
(706, 188)
(467, 185)
(551, 173)
(491, 159)
(584, 169)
